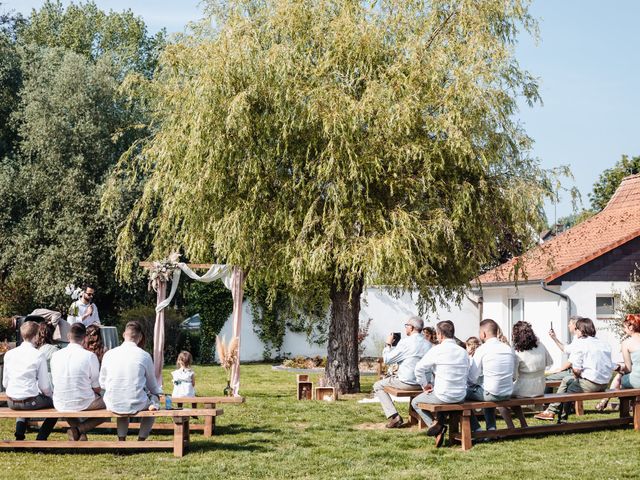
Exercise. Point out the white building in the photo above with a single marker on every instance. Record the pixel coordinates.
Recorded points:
(579, 272)
(582, 272)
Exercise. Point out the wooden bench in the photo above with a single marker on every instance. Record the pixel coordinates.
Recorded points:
(414, 418)
(460, 415)
(180, 426)
(207, 428)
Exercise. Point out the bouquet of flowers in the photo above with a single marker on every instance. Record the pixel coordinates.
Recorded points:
(162, 270)
(75, 293)
(228, 354)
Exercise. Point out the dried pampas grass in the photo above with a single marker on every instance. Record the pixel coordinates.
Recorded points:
(228, 353)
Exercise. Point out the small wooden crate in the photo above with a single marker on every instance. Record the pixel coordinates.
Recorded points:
(328, 394)
(303, 377)
(305, 390)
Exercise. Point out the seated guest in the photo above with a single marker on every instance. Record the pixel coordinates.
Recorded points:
(591, 364)
(449, 363)
(26, 381)
(126, 372)
(44, 343)
(430, 335)
(629, 376)
(93, 341)
(494, 361)
(76, 372)
(406, 354)
(631, 353)
(565, 368)
(532, 359)
(472, 345)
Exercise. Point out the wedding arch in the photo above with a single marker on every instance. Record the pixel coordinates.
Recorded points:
(170, 269)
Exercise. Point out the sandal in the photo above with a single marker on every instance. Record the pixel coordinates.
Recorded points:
(73, 433)
(602, 405)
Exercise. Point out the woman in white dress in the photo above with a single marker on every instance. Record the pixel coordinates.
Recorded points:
(184, 379)
(532, 361)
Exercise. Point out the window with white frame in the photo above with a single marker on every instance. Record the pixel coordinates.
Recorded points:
(605, 306)
(516, 311)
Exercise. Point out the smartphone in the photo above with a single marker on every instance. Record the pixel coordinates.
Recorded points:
(551, 326)
(396, 339)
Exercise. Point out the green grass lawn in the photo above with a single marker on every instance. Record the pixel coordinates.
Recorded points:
(274, 436)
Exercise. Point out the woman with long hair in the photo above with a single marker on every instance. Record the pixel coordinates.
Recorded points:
(44, 342)
(93, 341)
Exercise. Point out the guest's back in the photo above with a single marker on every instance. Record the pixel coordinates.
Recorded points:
(126, 371)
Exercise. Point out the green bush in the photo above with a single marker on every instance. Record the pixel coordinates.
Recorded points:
(146, 315)
(16, 297)
(7, 331)
(189, 341)
(214, 304)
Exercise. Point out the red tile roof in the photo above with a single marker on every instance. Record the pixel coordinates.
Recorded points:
(616, 224)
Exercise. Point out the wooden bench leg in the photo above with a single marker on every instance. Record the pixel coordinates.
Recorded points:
(466, 430)
(579, 408)
(636, 414)
(179, 436)
(454, 426)
(209, 421)
(625, 411)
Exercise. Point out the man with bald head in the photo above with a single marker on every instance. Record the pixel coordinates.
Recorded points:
(406, 354)
(495, 362)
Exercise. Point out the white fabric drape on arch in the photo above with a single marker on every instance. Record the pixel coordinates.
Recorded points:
(233, 279)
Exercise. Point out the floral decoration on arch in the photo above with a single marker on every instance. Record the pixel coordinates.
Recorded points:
(162, 270)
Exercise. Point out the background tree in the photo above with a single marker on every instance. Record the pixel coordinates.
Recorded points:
(610, 179)
(330, 145)
(70, 123)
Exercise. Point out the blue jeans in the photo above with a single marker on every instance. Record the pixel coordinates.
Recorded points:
(477, 392)
(425, 397)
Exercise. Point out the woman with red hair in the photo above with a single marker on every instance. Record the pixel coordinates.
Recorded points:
(629, 373)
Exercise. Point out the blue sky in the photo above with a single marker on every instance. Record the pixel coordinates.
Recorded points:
(586, 60)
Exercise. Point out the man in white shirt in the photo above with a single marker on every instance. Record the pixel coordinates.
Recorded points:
(591, 363)
(495, 361)
(84, 310)
(565, 368)
(449, 363)
(26, 381)
(406, 354)
(75, 373)
(126, 376)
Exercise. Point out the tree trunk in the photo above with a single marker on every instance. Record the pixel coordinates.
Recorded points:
(342, 350)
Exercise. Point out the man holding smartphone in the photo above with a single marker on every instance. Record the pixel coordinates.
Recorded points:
(406, 354)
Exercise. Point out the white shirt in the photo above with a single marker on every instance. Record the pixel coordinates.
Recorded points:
(75, 373)
(25, 373)
(82, 308)
(593, 357)
(126, 371)
(529, 373)
(406, 354)
(450, 364)
(495, 361)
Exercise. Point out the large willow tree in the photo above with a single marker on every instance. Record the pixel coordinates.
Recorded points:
(332, 144)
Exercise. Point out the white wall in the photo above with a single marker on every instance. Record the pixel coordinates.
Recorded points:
(541, 308)
(388, 315)
(583, 296)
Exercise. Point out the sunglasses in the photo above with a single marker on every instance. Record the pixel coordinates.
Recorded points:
(89, 294)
